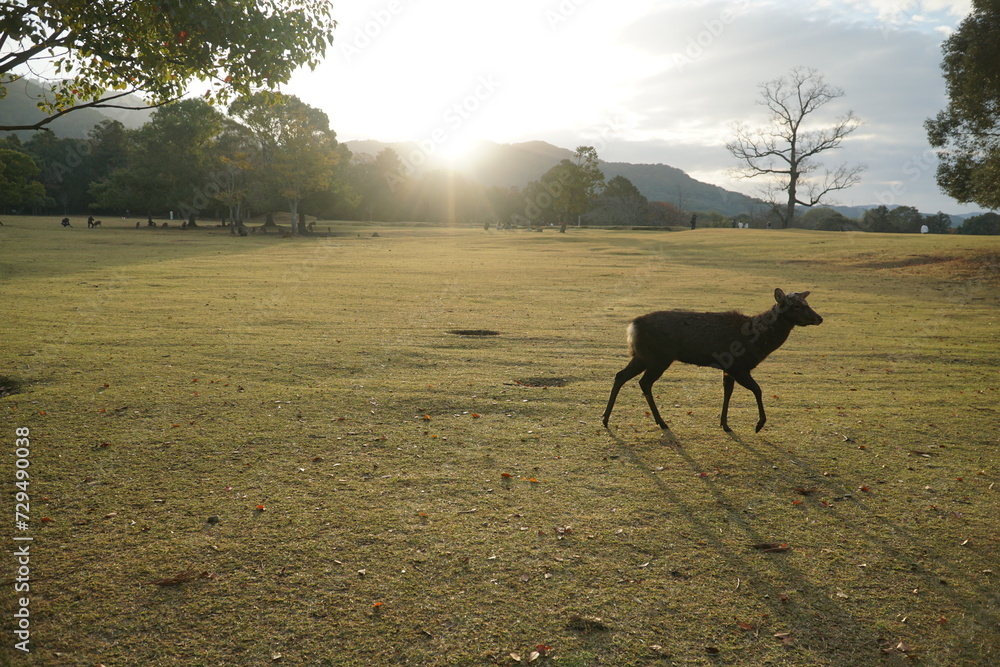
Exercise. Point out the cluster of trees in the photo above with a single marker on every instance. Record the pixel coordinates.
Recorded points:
(275, 153)
(271, 152)
(901, 219)
(574, 192)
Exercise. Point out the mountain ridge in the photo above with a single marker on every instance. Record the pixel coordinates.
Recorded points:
(517, 164)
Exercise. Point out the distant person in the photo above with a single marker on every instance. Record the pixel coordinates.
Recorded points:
(694, 221)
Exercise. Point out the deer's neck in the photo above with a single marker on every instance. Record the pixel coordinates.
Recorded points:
(770, 330)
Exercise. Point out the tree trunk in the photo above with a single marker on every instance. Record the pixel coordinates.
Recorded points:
(293, 207)
(789, 215)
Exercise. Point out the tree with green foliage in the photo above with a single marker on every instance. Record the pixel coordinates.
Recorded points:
(906, 219)
(939, 223)
(827, 219)
(232, 155)
(585, 184)
(69, 166)
(19, 187)
(297, 149)
(621, 203)
(982, 225)
(546, 201)
(877, 220)
(158, 48)
(169, 162)
(967, 131)
(787, 150)
(566, 191)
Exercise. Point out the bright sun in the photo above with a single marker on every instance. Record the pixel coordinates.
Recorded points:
(457, 151)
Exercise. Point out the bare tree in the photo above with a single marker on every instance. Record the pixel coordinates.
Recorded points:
(787, 149)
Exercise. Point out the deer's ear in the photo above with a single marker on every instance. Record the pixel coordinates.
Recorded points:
(803, 294)
(778, 295)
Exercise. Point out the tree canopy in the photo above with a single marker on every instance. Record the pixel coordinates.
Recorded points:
(967, 131)
(157, 49)
(18, 186)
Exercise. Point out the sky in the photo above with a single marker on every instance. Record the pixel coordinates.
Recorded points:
(644, 81)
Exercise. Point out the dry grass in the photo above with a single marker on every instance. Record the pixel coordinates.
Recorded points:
(255, 451)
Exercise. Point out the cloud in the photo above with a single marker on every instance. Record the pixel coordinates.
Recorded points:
(715, 55)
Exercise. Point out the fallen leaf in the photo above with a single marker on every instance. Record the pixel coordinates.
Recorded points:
(785, 637)
(744, 626)
(771, 547)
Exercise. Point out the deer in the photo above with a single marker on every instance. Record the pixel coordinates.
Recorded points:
(730, 341)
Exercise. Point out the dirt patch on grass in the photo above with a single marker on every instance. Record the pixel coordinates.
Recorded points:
(10, 386)
(910, 260)
(542, 382)
(969, 265)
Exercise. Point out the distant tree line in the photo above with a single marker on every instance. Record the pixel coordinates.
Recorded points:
(901, 219)
(274, 153)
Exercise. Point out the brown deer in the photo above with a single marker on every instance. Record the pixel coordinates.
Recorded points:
(732, 342)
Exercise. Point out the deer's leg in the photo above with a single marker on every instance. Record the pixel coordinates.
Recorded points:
(727, 391)
(746, 381)
(624, 375)
(646, 383)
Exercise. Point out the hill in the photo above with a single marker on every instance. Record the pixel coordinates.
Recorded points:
(20, 107)
(506, 165)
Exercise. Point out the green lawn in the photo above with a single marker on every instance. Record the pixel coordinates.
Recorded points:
(253, 451)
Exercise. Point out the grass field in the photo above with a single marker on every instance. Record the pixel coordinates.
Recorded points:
(256, 451)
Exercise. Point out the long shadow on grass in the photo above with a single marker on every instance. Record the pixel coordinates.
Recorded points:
(863, 529)
(819, 621)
